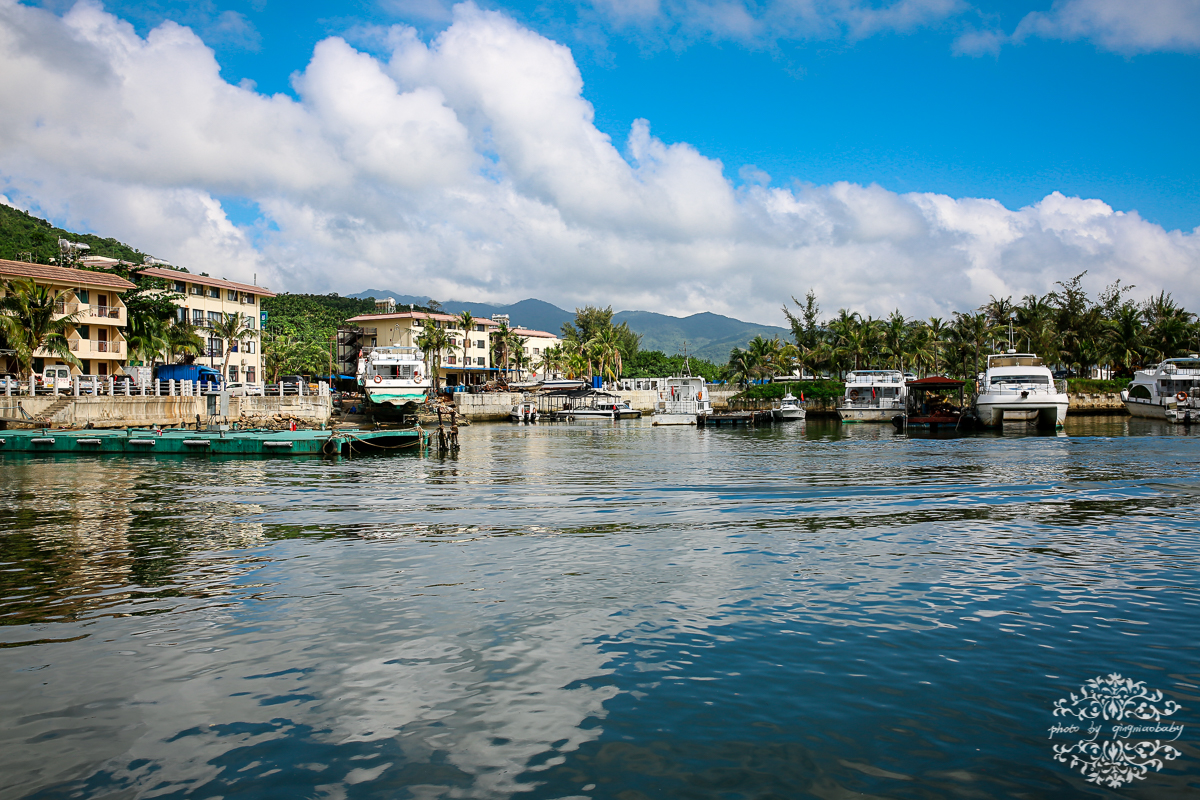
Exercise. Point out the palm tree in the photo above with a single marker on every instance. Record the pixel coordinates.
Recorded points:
(937, 337)
(30, 322)
(1124, 338)
(742, 366)
(231, 328)
(605, 346)
(973, 332)
(146, 337)
(467, 320)
(182, 340)
(895, 339)
(432, 341)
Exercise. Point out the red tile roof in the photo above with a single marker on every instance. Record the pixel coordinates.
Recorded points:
(529, 332)
(203, 280)
(47, 273)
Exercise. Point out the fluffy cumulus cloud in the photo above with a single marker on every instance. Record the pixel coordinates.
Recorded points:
(469, 166)
(1121, 26)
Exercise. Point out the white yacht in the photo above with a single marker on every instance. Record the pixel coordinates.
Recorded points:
(873, 395)
(394, 376)
(681, 401)
(1168, 391)
(789, 408)
(598, 405)
(1018, 387)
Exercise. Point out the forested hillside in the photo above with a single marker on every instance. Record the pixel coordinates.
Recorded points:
(22, 233)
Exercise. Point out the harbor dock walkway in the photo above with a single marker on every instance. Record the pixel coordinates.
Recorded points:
(253, 442)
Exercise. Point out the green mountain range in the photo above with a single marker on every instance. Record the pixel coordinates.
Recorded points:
(706, 335)
(24, 237)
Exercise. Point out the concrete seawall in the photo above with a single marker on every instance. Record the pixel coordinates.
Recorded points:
(118, 412)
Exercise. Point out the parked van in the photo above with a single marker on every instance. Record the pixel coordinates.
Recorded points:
(57, 376)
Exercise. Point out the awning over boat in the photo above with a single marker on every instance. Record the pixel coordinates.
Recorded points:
(935, 382)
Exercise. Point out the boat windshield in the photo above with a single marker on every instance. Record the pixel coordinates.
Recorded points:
(1034, 380)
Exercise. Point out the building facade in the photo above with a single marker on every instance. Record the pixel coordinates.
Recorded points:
(466, 362)
(204, 302)
(96, 337)
(536, 344)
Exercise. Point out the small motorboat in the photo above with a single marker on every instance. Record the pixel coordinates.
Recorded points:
(524, 411)
(789, 408)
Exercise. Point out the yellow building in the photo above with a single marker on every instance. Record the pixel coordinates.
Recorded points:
(536, 343)
(204, 300)
(459, 367)
(96, 338)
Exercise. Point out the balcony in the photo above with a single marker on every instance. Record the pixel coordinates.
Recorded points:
(90, 313)
(90, 347)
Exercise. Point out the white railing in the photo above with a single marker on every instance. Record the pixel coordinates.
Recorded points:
(878, 402)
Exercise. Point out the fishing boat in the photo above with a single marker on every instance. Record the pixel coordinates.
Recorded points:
(1019, 387)
(789, 408)
(681, 402)
(872, 395)
(524, 411)
(1169, 391)
(393, 376)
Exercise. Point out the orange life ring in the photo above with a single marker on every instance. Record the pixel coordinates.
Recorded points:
(379, 379)
(854, 394)
(1182, 397)
(700, 395)
(417, 375)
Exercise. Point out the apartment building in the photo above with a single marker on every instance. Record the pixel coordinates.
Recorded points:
(536, 343)
(96, 337)
(462, 364)
(204, 302)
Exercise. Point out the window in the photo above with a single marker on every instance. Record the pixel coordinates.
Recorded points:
(197, 316)
(214, 316)
(450, 360)
(214, 293)
(84, 332)
(249, 321)
(233, 372)
(479, 362)
(248, 298)
(231, 294)
(480, 344)
(197, 289)
(479, 328)
(216, 347)
(82, 295)
(248, 346)
(233, 346)
(250, 375)
(536, 352)
(181, 314)
(180, 287)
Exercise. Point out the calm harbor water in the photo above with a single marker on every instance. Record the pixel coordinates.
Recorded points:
(598, 610)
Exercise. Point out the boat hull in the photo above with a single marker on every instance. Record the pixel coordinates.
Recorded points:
(395, 395)
(673, 419)
(851, 414)
(1043, 411)
(1147, 410)
(787, 414)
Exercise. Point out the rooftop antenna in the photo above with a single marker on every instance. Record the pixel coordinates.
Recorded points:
(687, 367)
(1010, 330)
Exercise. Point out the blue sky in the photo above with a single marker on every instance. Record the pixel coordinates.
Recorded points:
(1008, 102)
(899, 109)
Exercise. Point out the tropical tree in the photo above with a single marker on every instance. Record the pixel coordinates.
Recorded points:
(936, 328)
(30, 321)
(433, 340)
(466, 321)
(895, 339)
(605, 347)
(232, 328)
(182, 340)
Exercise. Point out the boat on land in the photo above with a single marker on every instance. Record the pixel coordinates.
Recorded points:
(789, 408)
(394, 376)
(872, 395)
(683, 401)
(1169, 391)
(1019, 387)
(524, 411)
(562, 384)
(934, 404)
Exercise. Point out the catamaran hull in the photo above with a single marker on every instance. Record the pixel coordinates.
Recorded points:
(867, 414)
(1044, 414)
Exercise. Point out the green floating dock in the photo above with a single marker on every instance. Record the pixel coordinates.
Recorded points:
(175, 441)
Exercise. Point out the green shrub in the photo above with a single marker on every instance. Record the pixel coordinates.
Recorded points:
(1089, 386)
(812, 390)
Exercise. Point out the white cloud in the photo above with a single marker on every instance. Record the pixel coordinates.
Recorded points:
(469, 166)
(1119, 25)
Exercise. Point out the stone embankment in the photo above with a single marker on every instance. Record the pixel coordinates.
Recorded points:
(1097, 404)
(65, 411)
